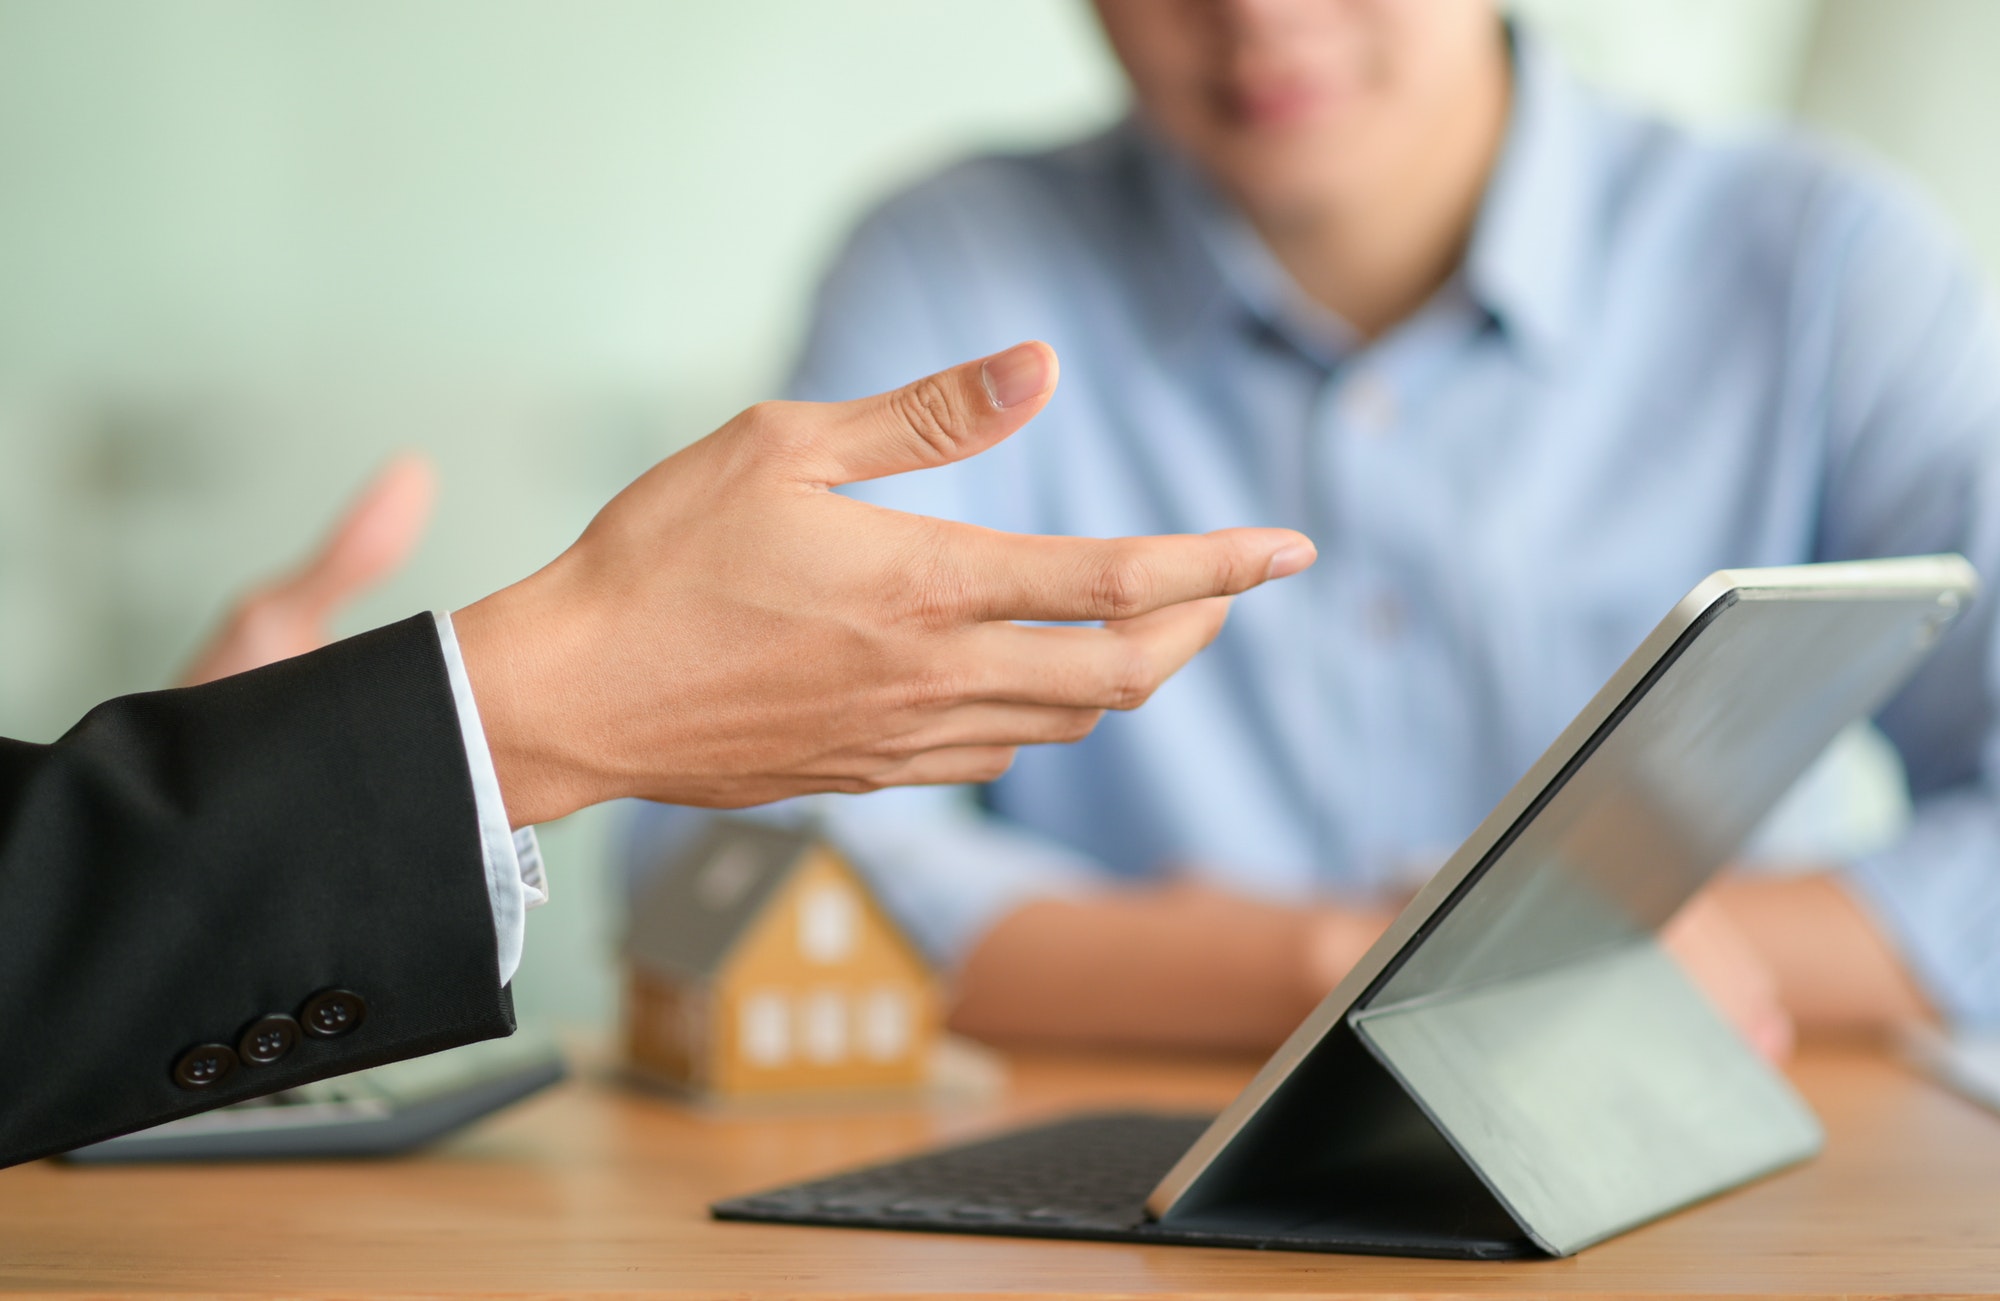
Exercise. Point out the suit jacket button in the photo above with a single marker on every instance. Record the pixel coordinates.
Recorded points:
(268, 1039)
(331, 1013)
(204, 1064)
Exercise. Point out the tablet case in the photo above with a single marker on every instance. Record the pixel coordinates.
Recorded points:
(1623, 1097)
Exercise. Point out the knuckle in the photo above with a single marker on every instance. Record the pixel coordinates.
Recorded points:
(1122, 586)
(936, 687)
(926, 409)
(772, 427)
(900, 748)
(1232, 571)
(993, 766)
(938, 594)
(760, 420)
(1133, 682)
(882, 771)
(1079, 724)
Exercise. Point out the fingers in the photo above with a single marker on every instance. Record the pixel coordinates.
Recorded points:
(956, 766)
(941, 418)
(1051, 685)
(988, 722)
(1119, 666)
(1019, 576)
(1720, 961)
(1165, 640)
(372, 539)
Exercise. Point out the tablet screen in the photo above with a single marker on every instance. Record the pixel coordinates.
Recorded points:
(1668, 788)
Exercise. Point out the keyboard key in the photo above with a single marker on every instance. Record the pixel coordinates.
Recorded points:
(982, 1213)
(1091, 1171)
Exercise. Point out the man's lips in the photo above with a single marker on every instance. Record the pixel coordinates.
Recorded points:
(1275, 104)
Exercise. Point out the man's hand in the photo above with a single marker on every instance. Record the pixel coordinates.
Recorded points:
(289, 616)
(729, 631)
(1184, 966)
(1819, 955)
(1723, 963)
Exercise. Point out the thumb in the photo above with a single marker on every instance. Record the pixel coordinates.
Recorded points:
(376, 535)
(941, 418)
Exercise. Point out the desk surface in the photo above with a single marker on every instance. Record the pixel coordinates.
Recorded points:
(595, 1189)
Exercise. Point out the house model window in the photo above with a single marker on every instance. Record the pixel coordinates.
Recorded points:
(828, 922)
(766, 1029)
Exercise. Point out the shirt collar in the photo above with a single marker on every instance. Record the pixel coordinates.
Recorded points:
(1230, 276)
(1533, 242)
(1525, 266)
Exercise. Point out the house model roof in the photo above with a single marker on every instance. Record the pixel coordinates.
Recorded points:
(689, 915)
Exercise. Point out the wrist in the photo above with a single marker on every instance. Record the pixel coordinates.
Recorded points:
(514, 665)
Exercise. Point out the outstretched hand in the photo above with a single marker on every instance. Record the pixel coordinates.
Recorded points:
(291, 615)
(730, 631)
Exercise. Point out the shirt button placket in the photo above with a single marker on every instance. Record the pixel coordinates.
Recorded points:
(1365, 414)
(1368, 406)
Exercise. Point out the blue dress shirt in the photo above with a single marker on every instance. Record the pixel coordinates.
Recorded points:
(1664, 355)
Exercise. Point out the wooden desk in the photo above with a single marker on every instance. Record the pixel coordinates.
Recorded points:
(592, 1189)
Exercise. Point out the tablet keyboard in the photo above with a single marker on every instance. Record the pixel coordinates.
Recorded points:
(1076, 1177)
(1086, 1177)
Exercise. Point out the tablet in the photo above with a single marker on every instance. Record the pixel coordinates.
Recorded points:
(1515, 1067)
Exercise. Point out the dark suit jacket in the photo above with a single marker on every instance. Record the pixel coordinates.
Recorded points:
(186, 863)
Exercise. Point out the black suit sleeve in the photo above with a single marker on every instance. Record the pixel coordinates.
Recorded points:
(184, 863)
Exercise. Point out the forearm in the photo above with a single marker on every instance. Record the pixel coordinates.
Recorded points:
(1182, 967)
(1836, 971)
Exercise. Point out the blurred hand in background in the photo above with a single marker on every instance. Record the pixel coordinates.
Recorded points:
(1724, 964)
(292, 614)
(1189, 965)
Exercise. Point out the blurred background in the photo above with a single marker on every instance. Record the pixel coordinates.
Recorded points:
(249, 250)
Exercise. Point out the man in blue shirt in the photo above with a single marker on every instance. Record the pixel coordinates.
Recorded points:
(1526, 366)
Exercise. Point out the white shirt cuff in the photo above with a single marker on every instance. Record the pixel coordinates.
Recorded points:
(515, 881)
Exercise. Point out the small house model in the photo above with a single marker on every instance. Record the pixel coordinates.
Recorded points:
(759, 962)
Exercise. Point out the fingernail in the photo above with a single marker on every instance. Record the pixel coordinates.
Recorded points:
(1016, 375)
(1291, 560)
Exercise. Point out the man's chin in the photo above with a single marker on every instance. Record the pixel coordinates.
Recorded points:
(1290, 188)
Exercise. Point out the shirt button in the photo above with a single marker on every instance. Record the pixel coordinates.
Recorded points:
(268, 1039)
(1385, 617)
(203, 1065)
(331, 1013)
(1369, 405)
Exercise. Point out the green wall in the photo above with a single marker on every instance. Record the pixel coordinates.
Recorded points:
(249, 248)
